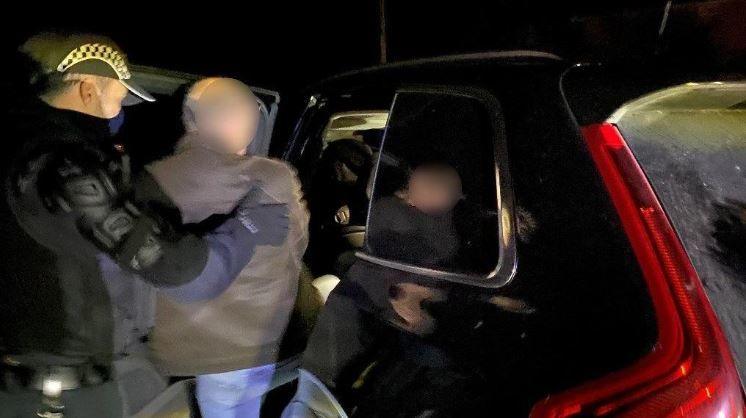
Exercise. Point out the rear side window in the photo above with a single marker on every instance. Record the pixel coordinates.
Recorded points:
(435, 193)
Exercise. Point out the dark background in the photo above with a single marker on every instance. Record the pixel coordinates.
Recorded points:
(287, 45)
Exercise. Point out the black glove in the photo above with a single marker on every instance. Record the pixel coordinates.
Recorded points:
(268, 222)
(132, 232)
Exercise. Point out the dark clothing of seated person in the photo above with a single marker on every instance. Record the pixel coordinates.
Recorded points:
(337, 200)
(417, 224)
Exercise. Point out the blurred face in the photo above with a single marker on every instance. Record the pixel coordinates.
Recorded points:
(225, 113)
(232, 123)
(434, 190)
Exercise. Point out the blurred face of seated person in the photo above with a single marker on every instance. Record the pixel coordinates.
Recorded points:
(210, 170)
(434, 189)
(416, 225)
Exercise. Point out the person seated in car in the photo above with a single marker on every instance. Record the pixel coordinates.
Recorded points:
(230, 342)
(417, 223)
(337, 200)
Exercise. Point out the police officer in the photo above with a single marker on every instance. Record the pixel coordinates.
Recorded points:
(68, 202)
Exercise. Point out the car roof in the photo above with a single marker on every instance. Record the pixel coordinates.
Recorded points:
(707, 96)
(166, 82)
(511, 57)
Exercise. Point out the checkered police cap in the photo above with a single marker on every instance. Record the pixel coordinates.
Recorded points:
(100, 52)
(84, 54)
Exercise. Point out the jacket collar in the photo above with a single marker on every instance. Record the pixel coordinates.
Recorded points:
(93, 128)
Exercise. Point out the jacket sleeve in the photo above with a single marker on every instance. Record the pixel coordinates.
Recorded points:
(232, 245)
(74, 182)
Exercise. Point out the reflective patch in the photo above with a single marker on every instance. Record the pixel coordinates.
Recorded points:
(247, 222)
(150, 252)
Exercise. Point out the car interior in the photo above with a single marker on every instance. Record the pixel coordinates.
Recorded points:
(338, 192)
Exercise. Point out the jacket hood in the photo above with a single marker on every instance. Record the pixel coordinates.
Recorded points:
(202, 182)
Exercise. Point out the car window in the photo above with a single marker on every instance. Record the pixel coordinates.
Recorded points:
(334, 150)
(434, 199)
(355, 124)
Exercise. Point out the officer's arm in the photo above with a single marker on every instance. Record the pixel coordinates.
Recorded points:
(232, 245)
(135, 229)
(75, 180)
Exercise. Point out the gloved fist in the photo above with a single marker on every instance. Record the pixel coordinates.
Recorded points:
(268, 222)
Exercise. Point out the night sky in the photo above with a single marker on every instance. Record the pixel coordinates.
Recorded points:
(287, 45)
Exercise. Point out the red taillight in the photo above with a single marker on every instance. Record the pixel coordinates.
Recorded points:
(690, 372)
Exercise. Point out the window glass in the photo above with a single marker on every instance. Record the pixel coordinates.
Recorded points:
(435, 193)
(337, 146)
(355, 124)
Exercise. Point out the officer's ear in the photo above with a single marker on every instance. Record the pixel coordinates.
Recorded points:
(88, 91)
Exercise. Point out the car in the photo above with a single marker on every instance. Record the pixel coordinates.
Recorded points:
(577, 250)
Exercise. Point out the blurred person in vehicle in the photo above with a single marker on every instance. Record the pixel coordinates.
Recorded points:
(68, 207)
(337, 201)
(417, 223)
(230, 342)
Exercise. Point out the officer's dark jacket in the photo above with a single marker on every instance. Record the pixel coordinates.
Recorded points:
(52, 296)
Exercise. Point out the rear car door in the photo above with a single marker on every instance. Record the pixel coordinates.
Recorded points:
(452, 331)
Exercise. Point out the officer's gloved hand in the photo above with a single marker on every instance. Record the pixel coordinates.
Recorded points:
(110, 221)
(268, 222)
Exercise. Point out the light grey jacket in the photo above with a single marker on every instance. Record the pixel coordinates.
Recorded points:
(243, 326)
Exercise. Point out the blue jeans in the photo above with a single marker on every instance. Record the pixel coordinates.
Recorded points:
(234, 394)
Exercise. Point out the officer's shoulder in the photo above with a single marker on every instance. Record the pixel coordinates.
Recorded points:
(49, 136)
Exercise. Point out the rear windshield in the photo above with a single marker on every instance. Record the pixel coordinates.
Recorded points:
(693, 149)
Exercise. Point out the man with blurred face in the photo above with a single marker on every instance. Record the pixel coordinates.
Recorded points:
(231, 342)
(71, 217)
(224, 111)
(434, 189)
